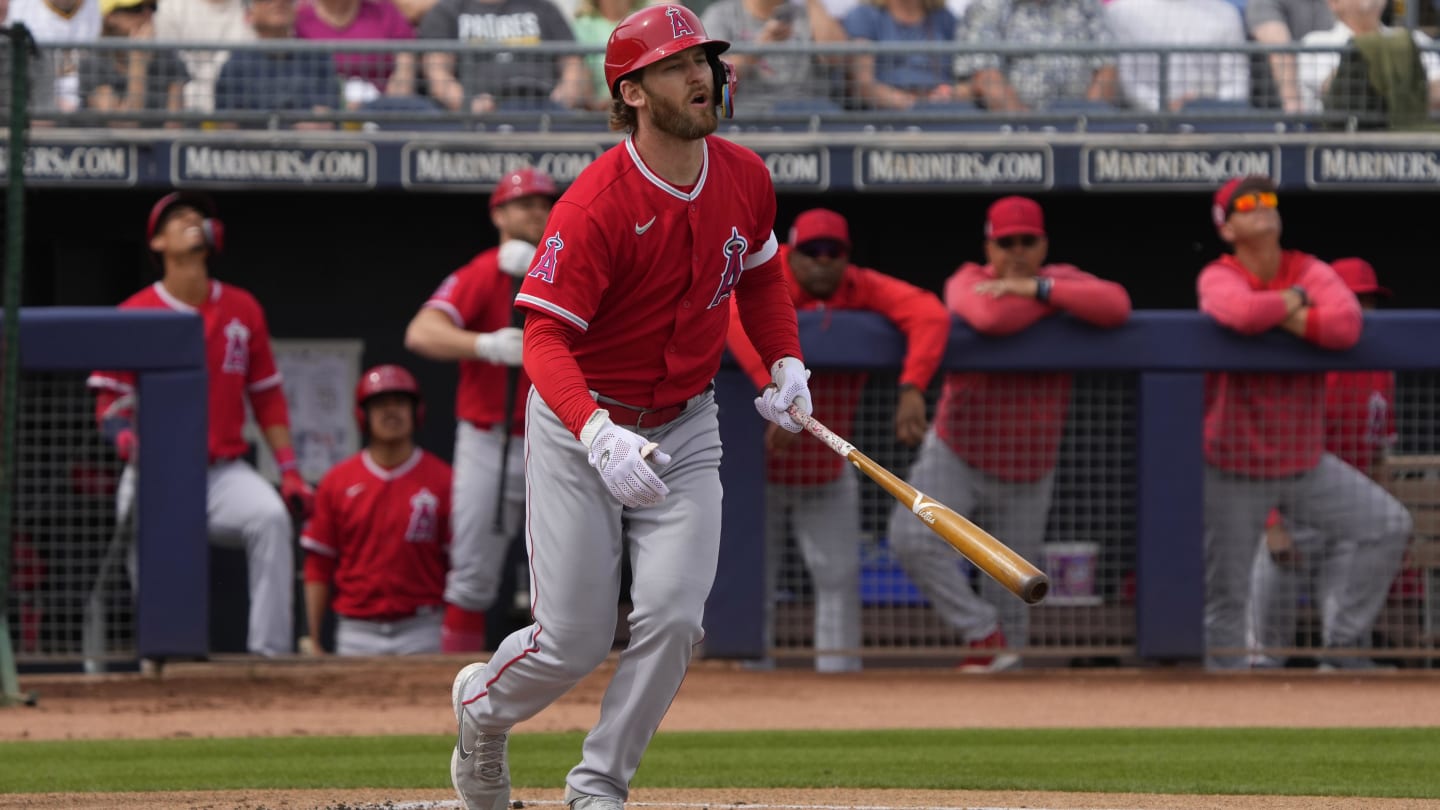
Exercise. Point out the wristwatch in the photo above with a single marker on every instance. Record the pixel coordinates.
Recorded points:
(1304, 296)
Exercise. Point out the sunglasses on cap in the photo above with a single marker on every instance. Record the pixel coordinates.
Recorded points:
(1027, 240)
(823, 249)
(1246, 203)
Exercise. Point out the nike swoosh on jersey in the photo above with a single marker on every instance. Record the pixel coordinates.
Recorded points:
(639, 229)
(354, 489)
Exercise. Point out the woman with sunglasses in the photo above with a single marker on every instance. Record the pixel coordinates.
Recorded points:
(996, 436)
(807, 482)
(121, 80)
(1265, 439)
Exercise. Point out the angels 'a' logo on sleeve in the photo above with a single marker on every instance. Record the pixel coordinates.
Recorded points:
(734, 249)
(237, 348)
(424, 507)
(679, 26)
(544, 267)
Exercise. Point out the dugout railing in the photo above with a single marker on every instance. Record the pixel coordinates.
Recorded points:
(72, 599)
(1153, 93)
(1129, 486)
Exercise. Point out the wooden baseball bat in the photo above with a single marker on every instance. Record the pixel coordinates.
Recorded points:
(978, 546)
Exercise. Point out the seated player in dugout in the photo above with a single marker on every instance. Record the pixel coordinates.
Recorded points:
(184, 233)
(808, 483)
(992, 451)
(377, 549)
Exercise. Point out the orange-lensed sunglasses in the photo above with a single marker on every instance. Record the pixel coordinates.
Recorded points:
(1246, 203)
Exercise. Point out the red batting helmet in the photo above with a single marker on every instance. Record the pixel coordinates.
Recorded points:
(386, 379)
(213, 228)
(653, 33)
(522, 183)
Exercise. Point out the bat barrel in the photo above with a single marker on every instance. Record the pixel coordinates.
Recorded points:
(1034, 588)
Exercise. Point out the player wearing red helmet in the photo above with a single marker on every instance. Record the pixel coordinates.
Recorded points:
(627, 310)
(377, 547)
(470, 318)
(183, 232)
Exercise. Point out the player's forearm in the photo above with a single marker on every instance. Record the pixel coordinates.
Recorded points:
(278, 438)
(317, 601)
(431, 335)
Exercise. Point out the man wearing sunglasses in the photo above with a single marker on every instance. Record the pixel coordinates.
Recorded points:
(1265, 439)
(996, 437)
(807, 481)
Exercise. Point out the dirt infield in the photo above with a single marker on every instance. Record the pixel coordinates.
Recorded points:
(411, 696)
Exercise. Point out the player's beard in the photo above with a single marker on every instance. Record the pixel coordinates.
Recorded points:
(681, 122)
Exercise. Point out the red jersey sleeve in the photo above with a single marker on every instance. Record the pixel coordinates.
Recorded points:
(263, 372)
(1090, 298)
(1335, 318)
(767, 312)
(552, 369)
(318, 538)
(572, 270)
(915, 312)
(744, 351)
(989, 316)
(1227, 296)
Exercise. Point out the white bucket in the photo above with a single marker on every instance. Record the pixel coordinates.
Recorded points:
(1072, 569)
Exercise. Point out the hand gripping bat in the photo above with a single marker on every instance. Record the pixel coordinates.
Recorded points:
(978, 546)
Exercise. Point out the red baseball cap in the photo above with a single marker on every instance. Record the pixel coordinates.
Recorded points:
(1014, 215)
(1234, 187)
(819, 223)
(1359, 276)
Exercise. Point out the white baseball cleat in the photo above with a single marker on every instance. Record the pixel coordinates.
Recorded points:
(478, 766)
(583, 801)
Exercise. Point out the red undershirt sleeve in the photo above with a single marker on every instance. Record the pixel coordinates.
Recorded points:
(553, 370)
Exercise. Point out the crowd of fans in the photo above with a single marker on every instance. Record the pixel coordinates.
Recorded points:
(1064, 72)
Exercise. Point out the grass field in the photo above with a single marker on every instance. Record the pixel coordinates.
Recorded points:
(1395, 763)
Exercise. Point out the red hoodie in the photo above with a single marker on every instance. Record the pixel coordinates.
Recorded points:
(917, 313)
(1270, 425)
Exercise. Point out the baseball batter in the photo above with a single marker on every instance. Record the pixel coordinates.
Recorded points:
(1359, 427)
(471, 318)
(243, 508)
(1265, 436)
(993, 449)
(377, 546)
(628, 309)
(808, 482)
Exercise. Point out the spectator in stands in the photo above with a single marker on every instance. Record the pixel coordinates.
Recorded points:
(903, 81)
(243, 509)
(119, 80)
(367, 76)
(1189, 76)
(993, 448)
(377, 548)
(594, 20)
(1017, 83)
(1353, 18)
(1359, 428)
(414, 10)
(805, 480)
(42, 77)
(1265, 435)
(482, 82)
(202, 21)
(58, 21)
(838, 9)
(1280, 22)
(774, 78)
(267, 81)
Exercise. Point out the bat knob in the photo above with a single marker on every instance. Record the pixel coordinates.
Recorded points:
(1034, 589)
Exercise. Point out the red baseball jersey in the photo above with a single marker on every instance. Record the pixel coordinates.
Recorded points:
(1009, 425)
(643, 270)
(480, 297)
(1359, 415)
(237, 355)
(836, 395)
(383, 536)
(1272, 425)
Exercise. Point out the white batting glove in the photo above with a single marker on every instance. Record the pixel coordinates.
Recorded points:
(789, 385)
(619, 456)
(515, 256)
(501, 347)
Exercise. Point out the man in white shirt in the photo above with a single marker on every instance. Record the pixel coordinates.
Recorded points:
(1224, 76)
(60, 21)
(1352, 18)
(202, 21)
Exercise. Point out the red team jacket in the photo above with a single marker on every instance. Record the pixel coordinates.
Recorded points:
(635, 274)
(1359, 415)
(917, 313)
(1009, 425)
(1272, 425)
(382, 536)
(479, 297)
(238, 358)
